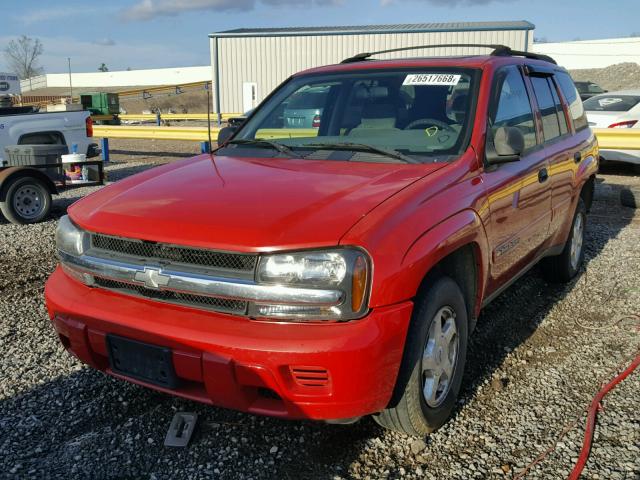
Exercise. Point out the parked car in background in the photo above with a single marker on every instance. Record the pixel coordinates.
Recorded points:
(31, 145)
(588, 89)
(616, 110)
(334, 272)
(304, 109)
(27, 126)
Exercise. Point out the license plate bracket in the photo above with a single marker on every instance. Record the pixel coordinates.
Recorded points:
(148, 363)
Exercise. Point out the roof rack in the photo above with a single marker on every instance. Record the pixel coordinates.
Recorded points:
(498, 51)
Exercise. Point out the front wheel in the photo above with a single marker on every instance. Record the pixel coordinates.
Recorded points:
(26, 200)
(432, 367)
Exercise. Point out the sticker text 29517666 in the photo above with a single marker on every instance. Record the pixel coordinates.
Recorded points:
(431, 79)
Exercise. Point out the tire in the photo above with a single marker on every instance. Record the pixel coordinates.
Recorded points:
(26, 200)
(442, 301)
(562, 268)
(630, 197)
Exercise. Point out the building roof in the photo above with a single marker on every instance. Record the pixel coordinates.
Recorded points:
(377, 29)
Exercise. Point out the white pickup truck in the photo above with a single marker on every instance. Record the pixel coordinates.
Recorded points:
(20, 126)
(26, 188)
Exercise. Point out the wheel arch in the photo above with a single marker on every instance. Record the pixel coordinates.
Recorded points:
(458, 248)
(12, 173)
(587, 191)
(51, 134)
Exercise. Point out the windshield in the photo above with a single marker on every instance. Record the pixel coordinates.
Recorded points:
(406, 116)
(611, 103)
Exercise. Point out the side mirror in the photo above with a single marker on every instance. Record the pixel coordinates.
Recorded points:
(507, 145)
(225, 134)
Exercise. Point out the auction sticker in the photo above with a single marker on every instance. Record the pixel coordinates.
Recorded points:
(431, 79)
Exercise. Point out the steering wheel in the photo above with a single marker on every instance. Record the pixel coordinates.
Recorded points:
(429, 122)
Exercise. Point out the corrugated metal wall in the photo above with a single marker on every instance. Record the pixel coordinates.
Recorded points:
(269, 60)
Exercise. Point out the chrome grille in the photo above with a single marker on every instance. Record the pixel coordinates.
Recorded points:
(200, 301)
(240, 262)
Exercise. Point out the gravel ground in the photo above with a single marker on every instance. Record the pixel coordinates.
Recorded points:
(539, 354)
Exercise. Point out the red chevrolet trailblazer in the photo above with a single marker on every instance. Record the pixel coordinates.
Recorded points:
(331, 258)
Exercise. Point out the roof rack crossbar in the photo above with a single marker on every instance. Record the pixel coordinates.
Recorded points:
(498, 50)
(506, 51)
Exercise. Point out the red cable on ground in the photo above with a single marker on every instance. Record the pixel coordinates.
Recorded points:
(591, 418)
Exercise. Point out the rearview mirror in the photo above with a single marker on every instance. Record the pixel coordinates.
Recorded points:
(507, 146)
(225, 134)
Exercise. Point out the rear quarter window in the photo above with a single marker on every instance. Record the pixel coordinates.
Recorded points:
(612, 103)
(573, 99)
(548, 110)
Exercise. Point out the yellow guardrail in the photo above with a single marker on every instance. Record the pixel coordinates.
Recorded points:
(176, 116)
(196, 134)
(101, 117)
(608, 138)
(271, 133)
(618, 138)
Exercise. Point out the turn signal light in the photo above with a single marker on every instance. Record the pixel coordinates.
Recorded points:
(359, 284)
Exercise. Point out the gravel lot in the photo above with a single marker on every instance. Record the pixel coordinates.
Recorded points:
(539, 354)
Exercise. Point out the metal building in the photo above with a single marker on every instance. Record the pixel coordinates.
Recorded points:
(249, 63)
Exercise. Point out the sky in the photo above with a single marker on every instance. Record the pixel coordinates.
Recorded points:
(174, 33)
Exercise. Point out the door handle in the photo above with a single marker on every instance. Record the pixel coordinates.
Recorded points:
(577, 157)
(543, 175)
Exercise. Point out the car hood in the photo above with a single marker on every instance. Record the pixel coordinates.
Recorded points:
(246, 204)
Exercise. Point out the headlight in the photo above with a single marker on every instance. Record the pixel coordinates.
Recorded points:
(313, 268)
(69, 238)
(346, 270)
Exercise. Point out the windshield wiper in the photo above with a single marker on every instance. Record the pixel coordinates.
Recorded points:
(262, 143)
(362, 147)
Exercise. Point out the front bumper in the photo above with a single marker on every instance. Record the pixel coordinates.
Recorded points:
(316, 371)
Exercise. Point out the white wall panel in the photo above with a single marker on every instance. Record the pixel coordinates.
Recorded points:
(269, 60)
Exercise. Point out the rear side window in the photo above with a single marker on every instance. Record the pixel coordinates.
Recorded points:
(611, 103)
(562, 119)
(514, 108)
(550, 125)
(576, 109)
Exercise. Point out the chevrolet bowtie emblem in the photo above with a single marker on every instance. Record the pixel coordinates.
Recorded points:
(152, 278)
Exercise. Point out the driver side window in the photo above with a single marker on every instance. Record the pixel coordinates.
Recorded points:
(513, 108)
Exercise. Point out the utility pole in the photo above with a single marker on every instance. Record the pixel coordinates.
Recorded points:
(70, 85)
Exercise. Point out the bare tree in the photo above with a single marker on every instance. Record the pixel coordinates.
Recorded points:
(22, 56)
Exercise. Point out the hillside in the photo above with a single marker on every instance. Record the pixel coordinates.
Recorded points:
(621, 76)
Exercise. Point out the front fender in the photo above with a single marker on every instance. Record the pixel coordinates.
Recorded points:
(463, 228)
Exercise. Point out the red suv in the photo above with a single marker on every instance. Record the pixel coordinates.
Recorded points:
(334, 272)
